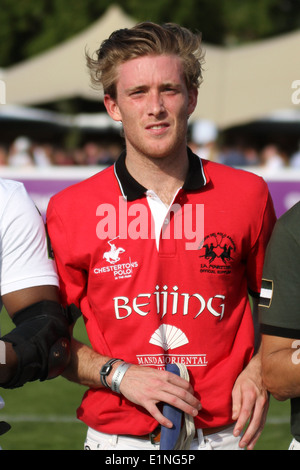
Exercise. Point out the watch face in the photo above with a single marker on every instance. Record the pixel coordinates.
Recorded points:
(105, 369)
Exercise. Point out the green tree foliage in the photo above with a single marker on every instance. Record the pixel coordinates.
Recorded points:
(250, 20)
(198, 15)
(29, 27)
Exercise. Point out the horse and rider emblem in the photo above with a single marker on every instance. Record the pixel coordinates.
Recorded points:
(122, 267)
(112, 256)
(218, 247)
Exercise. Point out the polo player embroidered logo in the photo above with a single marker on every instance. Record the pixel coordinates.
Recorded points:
(119, 266)
(112, 256)
(217, 252)
(218, 246)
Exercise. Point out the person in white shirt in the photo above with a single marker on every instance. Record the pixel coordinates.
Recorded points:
(38, 348)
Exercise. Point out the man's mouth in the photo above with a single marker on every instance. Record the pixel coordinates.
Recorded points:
(157, 127)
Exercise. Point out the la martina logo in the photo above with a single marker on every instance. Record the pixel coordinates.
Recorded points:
(217, 252)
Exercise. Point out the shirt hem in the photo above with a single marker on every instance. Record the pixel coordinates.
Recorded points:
(280, 331)
(31, 282)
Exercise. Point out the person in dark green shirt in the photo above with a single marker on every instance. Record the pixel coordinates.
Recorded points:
(279, 310)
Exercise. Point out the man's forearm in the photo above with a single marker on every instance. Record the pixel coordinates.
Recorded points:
(143, 386)
(281, 366)
(85, 364)
(281, 374)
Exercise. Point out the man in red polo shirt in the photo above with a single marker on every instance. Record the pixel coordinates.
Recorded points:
(160, 252)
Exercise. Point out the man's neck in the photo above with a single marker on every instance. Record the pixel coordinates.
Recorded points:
(162, 175)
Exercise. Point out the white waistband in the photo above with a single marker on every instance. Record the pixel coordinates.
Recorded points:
(114, 438)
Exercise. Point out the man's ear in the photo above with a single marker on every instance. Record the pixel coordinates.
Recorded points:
(193, 98)
(112, 108)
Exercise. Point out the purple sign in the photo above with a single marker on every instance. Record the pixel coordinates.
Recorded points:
(41, 185)
(285, 192)
(42, 190)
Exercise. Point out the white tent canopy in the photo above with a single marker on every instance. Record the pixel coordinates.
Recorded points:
(61, 72)
(241, 84)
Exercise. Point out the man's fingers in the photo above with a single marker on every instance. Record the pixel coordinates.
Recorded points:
(256, 424)
(148, 388)
(156, 413)
(174, 401)
(242, 407)
(236, 402)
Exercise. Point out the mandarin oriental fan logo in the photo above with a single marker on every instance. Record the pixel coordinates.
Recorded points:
(170, 338)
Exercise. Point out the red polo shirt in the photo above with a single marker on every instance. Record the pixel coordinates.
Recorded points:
(175, 295)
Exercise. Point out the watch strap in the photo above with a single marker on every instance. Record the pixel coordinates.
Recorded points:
(106, 370)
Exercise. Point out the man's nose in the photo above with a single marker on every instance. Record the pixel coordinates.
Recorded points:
(155, 104)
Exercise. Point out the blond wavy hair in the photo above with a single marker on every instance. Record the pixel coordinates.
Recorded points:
(146, 38)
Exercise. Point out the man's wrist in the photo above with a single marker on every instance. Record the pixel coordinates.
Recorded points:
(118, 376)
(106, 371)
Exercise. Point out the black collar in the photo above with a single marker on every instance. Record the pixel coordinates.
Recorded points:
(133, 190)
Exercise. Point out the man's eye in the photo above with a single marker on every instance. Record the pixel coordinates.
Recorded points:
(170, 90)
(137, 92)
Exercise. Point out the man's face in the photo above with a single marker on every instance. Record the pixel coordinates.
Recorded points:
(153, 104)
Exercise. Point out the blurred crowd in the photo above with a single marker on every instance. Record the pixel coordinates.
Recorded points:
(25, 153)
(270, 157)
(203, 141)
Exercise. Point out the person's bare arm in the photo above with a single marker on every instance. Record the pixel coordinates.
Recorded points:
(250, 401)
(15, 301)
(281, 366)
(143, 386)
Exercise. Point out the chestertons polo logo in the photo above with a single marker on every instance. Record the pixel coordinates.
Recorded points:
(119, 265)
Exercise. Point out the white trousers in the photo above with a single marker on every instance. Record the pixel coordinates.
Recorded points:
(294, 445)
(224, 440)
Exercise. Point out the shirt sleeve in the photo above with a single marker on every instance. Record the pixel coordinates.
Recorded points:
(72, 276)
(280, 294)
(25, 260)
(255, 260)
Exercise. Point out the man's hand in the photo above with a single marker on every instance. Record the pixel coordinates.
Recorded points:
(250, 401)
(144, 386)
(148, 387)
